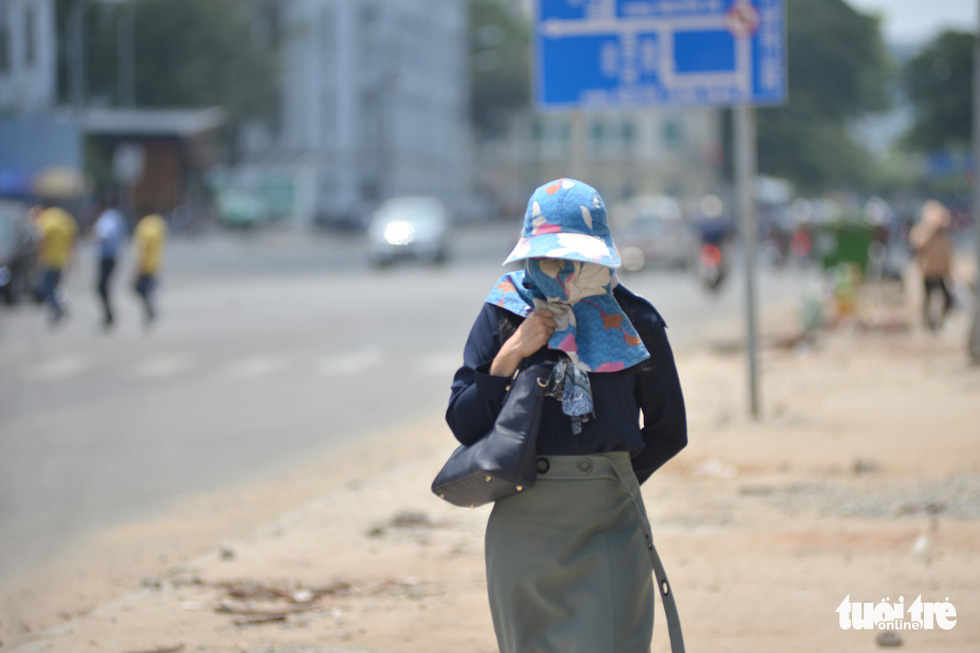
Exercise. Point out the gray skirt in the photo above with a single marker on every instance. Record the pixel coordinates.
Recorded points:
(568, 562)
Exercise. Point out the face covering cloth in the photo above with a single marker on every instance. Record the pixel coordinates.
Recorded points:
(592, 330)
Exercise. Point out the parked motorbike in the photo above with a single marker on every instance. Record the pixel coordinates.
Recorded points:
(780, 249)
(712, 267)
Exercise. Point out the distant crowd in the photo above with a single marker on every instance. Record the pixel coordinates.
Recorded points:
(57, 231)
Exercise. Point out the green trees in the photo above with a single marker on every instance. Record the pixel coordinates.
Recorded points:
(939, 83)
(500, 64)
(186, 53)
(201, 53)
(838, 70)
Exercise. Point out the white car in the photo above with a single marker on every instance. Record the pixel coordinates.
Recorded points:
(409, 227)
(651, 231)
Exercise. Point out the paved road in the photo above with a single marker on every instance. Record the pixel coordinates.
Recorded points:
(270, 351)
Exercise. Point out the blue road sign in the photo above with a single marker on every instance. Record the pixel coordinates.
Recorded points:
(594, 54)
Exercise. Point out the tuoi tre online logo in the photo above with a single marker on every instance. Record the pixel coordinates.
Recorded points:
(894, 616)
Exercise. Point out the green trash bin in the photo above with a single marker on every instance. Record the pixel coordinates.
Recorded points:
(845, 242)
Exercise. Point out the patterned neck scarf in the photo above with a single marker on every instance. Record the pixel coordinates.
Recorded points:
(593, 332)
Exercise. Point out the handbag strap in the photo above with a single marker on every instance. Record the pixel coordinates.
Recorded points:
(667, 596)
(666, 593)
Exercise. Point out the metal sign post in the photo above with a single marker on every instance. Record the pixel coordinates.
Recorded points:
(614, 54)
(745, 168)
(973, 344)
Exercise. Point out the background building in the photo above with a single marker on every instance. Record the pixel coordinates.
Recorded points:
(373, 105)
(28, 56)
(33, 135)
(622, 153)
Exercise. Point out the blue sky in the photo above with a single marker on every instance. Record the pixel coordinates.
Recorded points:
(916, 21)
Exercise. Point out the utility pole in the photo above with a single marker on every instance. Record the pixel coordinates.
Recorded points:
(974, 341)
(745, 169)
(76, 31)
(126, 55)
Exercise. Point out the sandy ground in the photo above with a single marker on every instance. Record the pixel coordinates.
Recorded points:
(861, 479)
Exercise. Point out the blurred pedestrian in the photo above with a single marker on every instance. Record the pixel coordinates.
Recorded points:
(569, 561)
(934, 255)
(109, 233)
(57, 230)
(149, 238)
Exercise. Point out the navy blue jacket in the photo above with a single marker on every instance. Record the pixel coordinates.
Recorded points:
(651, 388)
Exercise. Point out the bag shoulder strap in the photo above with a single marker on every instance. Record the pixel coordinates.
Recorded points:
(663, 585)
(667, 598)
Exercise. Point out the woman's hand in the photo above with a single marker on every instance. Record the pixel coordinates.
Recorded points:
(532, 335)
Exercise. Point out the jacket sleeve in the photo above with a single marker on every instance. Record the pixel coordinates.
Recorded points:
(662, 403)
(476, 396)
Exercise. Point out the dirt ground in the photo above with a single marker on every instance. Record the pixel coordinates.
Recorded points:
(861, 479)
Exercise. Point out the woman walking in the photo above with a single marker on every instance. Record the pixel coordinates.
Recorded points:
(569, 562)
(934, 255)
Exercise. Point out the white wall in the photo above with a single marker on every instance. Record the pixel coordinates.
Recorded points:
(374, 96)
(29, 81)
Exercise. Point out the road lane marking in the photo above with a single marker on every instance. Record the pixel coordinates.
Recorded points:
(259, 366)
(57, 369)
(443, 363)
(163, 366)
(348, 364)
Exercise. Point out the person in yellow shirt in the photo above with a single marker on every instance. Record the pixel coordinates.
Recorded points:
(57, 230)
(149, 237)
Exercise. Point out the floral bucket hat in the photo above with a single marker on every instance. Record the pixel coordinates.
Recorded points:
(566, 219)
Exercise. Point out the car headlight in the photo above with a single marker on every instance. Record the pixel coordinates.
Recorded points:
(399, 233)
(712, 206)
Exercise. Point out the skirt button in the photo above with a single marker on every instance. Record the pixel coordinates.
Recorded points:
(584, 465)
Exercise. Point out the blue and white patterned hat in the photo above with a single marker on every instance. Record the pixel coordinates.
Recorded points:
(566, 219)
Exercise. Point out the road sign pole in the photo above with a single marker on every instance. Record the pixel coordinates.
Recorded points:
(745, 164)
(973, 345)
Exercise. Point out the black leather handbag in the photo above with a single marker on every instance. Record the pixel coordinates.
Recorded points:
(504, 461)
